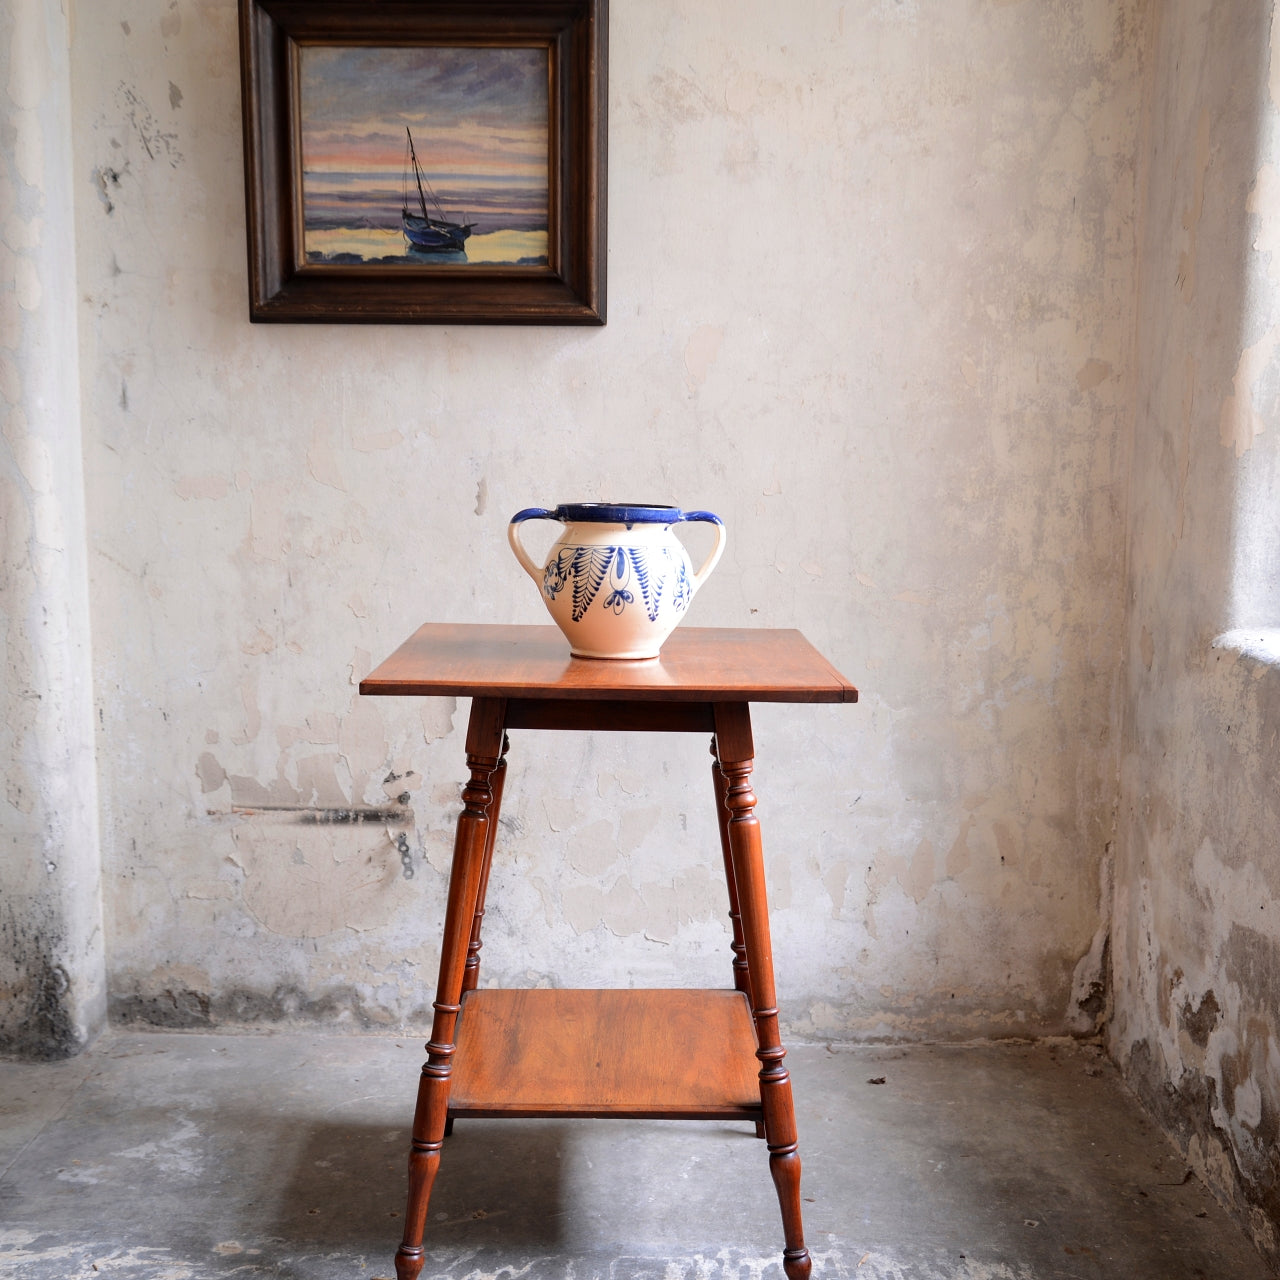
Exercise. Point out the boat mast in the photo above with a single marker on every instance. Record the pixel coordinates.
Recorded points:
(404, 183)
(417, 175)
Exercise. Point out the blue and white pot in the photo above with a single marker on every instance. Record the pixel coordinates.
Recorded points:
(617, 580)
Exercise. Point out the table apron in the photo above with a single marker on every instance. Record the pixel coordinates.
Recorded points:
(610, 714)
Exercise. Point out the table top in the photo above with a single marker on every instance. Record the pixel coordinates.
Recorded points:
(697, 664)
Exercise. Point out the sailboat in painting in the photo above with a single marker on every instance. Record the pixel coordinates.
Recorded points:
(424, 232)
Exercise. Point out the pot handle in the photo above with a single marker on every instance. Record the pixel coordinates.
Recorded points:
(513, 537)
(707, 517)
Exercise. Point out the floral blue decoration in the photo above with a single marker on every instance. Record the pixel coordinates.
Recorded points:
(590, 566)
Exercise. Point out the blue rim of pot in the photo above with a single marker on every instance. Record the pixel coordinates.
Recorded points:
(614, 513)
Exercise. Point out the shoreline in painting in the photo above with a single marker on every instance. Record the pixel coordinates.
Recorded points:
(354, 218)
(382, 246)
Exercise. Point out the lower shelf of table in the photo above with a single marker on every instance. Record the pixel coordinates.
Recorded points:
(636, 1054)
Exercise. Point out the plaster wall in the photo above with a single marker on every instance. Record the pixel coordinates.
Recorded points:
(52, 974)
(870, 278)
(1197, 907)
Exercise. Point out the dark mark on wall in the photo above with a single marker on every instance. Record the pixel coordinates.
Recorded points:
(310, 814)
(185, 1009)
(106, 179)
(1200, 1022)
(35, 1019)
(176, 1010)
(1253, 960)
(156, 142)
(1193, 1107)
(1095, 1001)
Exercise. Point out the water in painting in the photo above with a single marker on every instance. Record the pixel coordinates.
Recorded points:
(434, 156)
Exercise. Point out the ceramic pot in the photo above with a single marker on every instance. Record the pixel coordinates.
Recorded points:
(617, 580)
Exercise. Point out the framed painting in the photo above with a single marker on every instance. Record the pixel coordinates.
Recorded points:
(425, 161)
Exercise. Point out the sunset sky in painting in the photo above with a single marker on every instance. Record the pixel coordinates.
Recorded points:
(476, 113)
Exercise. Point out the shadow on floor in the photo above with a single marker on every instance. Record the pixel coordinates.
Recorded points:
(348, 1183)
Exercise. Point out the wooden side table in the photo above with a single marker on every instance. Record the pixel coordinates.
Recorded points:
(669, 1054)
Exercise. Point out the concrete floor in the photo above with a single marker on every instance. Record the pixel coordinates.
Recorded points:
(188, 1157)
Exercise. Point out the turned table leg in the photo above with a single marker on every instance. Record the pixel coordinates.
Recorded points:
(735, 753)
(741, 974)
(471, 975)
(484, 748)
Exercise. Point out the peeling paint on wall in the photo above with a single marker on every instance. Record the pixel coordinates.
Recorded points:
(1196, 935)
(1241, 423)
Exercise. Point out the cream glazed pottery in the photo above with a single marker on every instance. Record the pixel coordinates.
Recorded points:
(617, 580)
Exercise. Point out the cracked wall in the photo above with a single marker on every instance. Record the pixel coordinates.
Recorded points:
(871, 271)
(1197, 907)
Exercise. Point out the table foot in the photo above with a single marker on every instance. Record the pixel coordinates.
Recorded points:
(409, 1263)
(795, 1262)
(784, 1166)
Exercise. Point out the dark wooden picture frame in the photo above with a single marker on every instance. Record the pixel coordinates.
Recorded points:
(285, 286)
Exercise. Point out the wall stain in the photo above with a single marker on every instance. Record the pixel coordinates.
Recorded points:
(312, 815)
(1096, 999)
(1252, 959)
(185, 1009)
(1200, 1021)
(35, 1019)
(1234, 1146)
